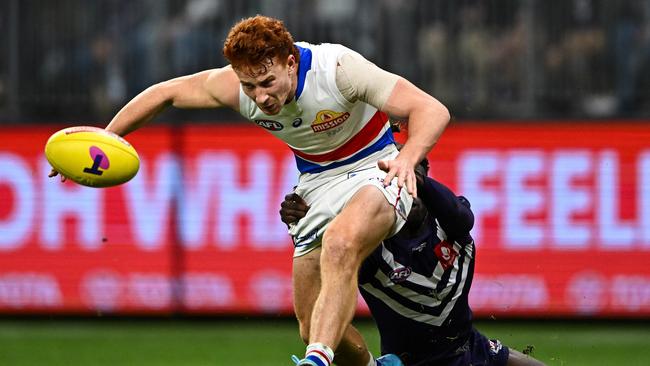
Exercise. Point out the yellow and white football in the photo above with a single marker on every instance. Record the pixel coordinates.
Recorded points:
(92, 156)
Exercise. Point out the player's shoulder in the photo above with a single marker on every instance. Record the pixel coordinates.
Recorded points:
(437, 196)
(223, 84)
(430, 183)
(225, 74)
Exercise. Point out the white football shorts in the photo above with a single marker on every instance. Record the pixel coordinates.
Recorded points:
(328, 192)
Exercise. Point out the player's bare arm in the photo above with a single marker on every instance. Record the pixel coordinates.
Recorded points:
(359, 78)
(427, 120)
(207, 89)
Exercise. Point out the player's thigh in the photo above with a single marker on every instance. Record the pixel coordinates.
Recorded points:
(362, 224)
(306, 285)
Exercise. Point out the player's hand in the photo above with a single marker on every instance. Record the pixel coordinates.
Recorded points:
(403, 171)
(293, 208)
(54, 173)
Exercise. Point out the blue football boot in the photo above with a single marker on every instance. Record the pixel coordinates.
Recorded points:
(303, 362)
(389, 360)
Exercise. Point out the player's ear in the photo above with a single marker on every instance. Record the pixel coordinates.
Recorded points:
(291, 64)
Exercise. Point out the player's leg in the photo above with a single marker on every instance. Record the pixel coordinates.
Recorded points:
(306, 285)
(352, 351)
(365, 220)
(517, 358)
(484, 351)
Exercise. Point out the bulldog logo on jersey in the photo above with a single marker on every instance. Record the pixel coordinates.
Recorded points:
(326, 120)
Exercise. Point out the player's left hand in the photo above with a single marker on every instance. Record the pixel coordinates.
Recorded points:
(293, 208)
(403, 170)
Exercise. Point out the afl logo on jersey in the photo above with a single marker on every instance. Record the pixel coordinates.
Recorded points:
(269, 125)
(400, 274)
(326, 120)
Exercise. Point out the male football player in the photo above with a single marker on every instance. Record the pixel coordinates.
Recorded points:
(330, 106)
(417, 282)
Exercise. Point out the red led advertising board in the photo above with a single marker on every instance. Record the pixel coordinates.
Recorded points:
(562, 222)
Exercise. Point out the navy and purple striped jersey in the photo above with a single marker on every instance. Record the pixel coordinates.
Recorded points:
(416, 284)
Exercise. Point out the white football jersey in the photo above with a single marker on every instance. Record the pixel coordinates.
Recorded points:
(321, 127)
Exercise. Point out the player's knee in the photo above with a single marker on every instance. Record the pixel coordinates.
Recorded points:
(359, 349)
(352, 350)
(339, 249)
(516, 358)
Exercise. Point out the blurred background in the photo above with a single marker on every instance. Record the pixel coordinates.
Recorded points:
(485, 59)
(189, 264)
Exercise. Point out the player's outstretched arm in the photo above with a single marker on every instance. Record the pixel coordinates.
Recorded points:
(207, 89)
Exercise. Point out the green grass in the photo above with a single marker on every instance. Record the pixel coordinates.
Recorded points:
(261, 342)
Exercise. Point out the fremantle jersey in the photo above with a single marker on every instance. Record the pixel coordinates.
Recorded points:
(417, 287)
(321, 127)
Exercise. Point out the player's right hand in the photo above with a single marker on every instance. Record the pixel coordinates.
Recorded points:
(54, 173)
(293, 208)
(405, 173)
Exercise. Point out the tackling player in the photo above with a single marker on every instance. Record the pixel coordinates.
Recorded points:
(417, 282)
(330, 106)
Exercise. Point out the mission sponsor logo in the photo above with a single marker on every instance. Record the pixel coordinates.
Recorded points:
(326, 120)
(269, 125)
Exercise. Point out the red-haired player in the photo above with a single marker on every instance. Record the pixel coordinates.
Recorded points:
(331, 107)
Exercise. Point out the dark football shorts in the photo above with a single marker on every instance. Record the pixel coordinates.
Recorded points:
(477, 351)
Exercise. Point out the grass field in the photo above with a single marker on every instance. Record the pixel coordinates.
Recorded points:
(261, 342)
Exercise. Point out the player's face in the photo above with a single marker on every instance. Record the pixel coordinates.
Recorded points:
(272, 86)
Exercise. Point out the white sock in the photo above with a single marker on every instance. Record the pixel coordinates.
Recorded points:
(321, 354)
(372, 361)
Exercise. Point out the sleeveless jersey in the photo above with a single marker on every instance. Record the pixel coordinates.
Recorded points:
(322, 128)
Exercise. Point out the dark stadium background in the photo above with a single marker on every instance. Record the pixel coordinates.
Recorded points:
(549, 140)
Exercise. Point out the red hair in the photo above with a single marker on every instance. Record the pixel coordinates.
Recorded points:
(255, 42)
